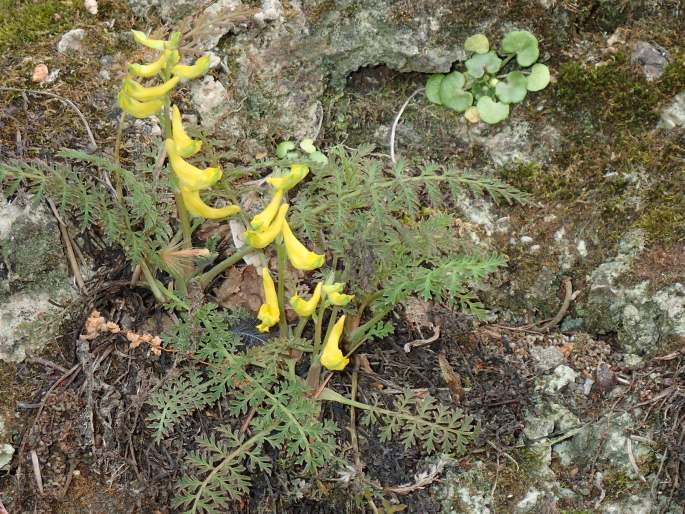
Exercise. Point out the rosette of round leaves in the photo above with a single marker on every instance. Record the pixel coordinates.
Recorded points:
(512, 90)
(539, 77)
(478, 43)
(523, 44)
(478, 64)
(490, 111)
(288, 149)
(452, 92)
(433, 88)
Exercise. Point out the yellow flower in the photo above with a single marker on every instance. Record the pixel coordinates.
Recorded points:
(153, 68)
(305, 308)
(339, 299)
(268, 313)
(190, 177)
(136, 108)
(298, 255)
(262, 220)
(264, 238)
(296, 174)
(196, 207)
(184, 144)
(336, 287)
(332, 357)
(142, 93)
(142, 39)
(193, 71)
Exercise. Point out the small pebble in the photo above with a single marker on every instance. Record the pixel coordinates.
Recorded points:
(40, 73)
(91, 6)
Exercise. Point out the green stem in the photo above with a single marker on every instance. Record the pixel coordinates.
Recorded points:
(184, 219)
(358, 337)
(317, 330)
(152, 283)
(300, 327)
(206, 278)
(282, 321)
(331, 322)
(117, 154)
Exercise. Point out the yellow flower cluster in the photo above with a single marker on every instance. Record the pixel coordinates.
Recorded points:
(269, 224)
(141, 101)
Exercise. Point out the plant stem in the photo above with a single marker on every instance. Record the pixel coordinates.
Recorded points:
(206, 278)
(117, 154)
(184, 219)
(331, 322)
(152, 283)
(358, 337)
(282, 321)
(317, 330)
(300, 327)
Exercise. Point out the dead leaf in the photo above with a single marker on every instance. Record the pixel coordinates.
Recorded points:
(451, 378)
(242, 288)
(364, 364)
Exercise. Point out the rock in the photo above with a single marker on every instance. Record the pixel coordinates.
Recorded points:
(673, 115)
(40, 73)
(653, 59)
(32, 272)
(6, 452)
(562, 376)
(71, 41)
(547, 358)
(210, 99)
(91, 6)
(143, 8)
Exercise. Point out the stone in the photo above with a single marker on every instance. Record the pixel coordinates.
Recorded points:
(71, 41)
(562, 376)
(6, 453)
(32, 272)
(209, 97)
(546, 358)
(673, 115)
(653, 59)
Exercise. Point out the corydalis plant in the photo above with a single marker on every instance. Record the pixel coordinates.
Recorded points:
(481, 92)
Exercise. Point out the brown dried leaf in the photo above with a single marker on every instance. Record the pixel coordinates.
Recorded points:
(451, 378)
(242, 288)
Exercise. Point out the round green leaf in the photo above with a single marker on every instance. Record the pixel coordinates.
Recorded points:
(451, 93)
(523, 44)
(433, 88)
(318, 157)
(478, 64)
(490, 111)
(283, 149)
(307, 146)
(538, 78)
(514, 89)
(477, 43)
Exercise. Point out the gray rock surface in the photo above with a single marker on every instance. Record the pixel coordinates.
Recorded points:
(652, 58)
(673, 115)
(32, 271)
(71, 41)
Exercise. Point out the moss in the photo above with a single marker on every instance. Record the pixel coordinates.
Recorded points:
(24, 21)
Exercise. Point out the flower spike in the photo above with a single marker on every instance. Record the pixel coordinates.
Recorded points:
(151, 69)
(184, 144)
(268, 314)
(190, 177)
(193, 71)
(332, 357)
(296, 174)
(305, 308)
(264, 238)
(196, 207)
(142, 39)
(339, 299)
(262, 220)
(142, 93)
(136, 108)
(298, 255)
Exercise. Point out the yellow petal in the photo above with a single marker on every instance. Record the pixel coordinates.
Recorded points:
(142, 93)
(295, 175)
(196, 207)
(142, 39)
(268, 314)
(189, 177)
(262, 220)
(184, 71)
(153, 68)
(136, 108)
(264, 238)
(332, 357)
(185, 146)
(305, 308)
(339, 299)
(298, 255)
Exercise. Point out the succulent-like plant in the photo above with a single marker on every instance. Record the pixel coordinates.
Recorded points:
(481, 92)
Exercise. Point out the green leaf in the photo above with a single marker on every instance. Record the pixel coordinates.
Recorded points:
(283, 149)
(523, 44)
(477, 43)
(514, 89)
(451, 93)
(480, 63)
(433, 88)
(538, 78)
(490, 111)
(307, 146)
(318, 157)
